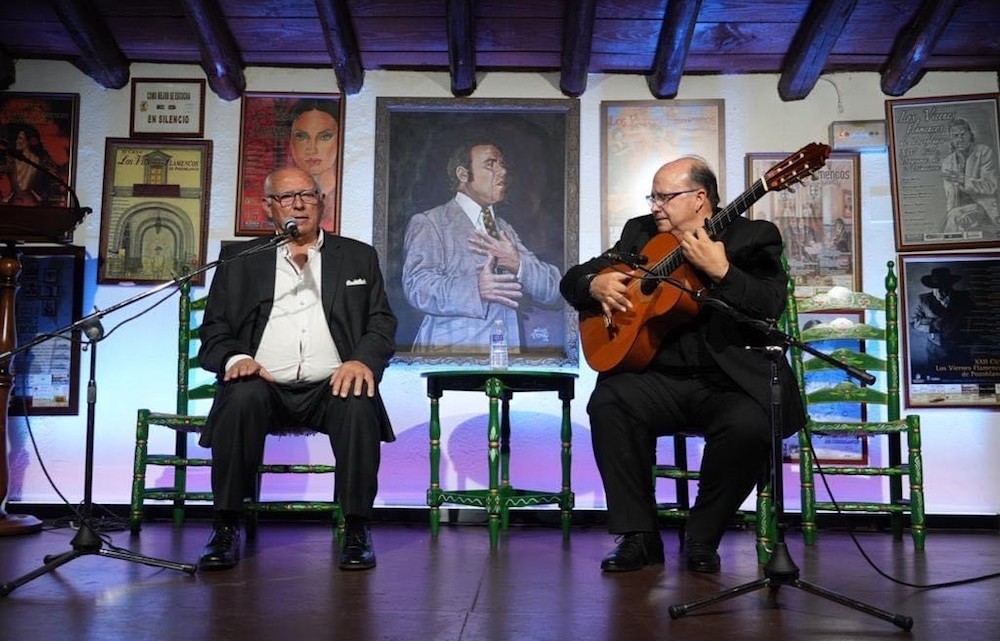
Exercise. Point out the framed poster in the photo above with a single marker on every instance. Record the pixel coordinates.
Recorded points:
(837, 449)
(638, 136)
(951, 331)
(944, 153)
(288, 130)
(39, 130)
(154, 218)
(167, 108)
(437, 163)
(49, 298)
(819, 221)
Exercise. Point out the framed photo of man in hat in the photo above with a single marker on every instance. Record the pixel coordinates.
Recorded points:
(951, 329)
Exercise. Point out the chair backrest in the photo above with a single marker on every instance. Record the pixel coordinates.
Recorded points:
(191, 385)
(855, 328)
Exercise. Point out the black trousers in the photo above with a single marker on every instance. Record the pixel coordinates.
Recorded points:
(628, 411)
(246, 410)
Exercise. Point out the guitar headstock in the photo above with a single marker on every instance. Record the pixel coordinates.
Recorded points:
(792, 170)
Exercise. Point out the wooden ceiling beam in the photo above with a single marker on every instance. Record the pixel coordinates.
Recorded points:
(672, 49)
(100, 58)
(578, 38)
(914, 46)
(220, 57)
(342, 44)
(461, 21)
(814, 40)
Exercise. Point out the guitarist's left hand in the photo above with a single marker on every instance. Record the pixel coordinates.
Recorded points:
(707, 255)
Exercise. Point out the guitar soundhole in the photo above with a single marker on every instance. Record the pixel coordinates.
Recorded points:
(648, 286)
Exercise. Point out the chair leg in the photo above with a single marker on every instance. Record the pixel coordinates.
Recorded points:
(250, 516)
(807, 486)
(180, 476)
(916, 467)
(139, 471)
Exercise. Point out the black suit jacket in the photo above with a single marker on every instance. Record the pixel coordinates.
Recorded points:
(756, 284)
(361, 321)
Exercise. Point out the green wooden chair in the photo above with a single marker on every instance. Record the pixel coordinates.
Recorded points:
(194, 385)
(862, 330)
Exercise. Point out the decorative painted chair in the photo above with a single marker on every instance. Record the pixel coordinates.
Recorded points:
(861, 330)
(192, 388)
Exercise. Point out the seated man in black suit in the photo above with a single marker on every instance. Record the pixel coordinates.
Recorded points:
(298, 336)
(702, 379)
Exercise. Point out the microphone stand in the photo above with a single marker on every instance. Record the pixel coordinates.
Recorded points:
(87, 541)
(781, 569)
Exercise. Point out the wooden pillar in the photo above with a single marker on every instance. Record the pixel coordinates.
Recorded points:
(10, 267)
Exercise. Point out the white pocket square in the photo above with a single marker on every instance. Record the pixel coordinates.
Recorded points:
(357, 281)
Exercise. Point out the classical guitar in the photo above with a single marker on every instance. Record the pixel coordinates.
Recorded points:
(629, 340)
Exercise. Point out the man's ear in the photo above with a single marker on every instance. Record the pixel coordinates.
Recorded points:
(462, 174)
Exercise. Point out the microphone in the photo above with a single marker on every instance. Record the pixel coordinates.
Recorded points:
(291, 227)
(629, 258)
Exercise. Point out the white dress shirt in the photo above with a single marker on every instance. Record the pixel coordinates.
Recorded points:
(296, 346)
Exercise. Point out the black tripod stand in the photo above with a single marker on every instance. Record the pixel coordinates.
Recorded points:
(781, 569)
(87, 541)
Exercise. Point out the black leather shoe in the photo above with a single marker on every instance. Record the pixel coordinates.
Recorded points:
(223, 549)
(357, 553)
(634, 551)
(701, 557)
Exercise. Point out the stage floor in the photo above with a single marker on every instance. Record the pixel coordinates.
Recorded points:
(533, 587)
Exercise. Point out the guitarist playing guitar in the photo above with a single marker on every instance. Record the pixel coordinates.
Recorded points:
(669, 362)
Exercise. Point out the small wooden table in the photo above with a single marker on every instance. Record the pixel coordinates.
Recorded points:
(499, 386)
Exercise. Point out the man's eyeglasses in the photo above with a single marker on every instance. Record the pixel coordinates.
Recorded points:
(286, 199)
(662, 199)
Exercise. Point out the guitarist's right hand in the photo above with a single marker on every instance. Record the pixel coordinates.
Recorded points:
(502, 288)
(609, 289)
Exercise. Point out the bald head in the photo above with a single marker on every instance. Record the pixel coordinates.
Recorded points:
(287, 173)
(696, 173)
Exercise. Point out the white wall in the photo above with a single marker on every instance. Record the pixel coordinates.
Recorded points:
(135, 363)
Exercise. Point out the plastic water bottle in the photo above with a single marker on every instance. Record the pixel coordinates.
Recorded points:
(498, 346)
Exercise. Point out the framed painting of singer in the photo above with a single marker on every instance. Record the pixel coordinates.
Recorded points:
(476, 221)
(285, 130)
(945, 153)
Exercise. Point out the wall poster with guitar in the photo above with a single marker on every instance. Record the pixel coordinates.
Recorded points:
(820, 223)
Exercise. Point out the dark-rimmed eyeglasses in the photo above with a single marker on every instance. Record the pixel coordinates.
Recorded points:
(662, 199)
(286, 199)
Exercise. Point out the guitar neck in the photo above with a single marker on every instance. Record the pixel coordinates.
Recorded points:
(719, 221)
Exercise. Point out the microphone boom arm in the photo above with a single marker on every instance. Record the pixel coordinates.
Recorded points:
(95, 317)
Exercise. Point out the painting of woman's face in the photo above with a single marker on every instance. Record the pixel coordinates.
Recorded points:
(314, 141)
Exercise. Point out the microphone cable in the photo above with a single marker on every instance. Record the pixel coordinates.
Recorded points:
(850, 531)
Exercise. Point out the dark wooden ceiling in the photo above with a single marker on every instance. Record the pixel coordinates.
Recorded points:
(659, 39)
